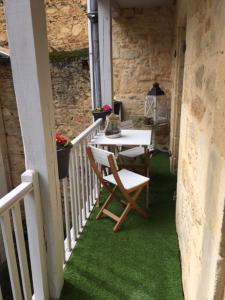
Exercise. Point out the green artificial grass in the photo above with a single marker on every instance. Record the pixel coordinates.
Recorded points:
(139, 262)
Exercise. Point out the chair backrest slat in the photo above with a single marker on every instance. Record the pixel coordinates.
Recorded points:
(101, 156)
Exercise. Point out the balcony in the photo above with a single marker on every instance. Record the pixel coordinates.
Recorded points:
(140, 261)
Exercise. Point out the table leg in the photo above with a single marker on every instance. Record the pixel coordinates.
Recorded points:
(146, 166)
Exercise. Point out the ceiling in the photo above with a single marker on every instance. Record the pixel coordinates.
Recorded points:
(143, 3)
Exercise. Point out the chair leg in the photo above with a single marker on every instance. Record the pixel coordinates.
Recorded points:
(122, 218)
(98, 194)
(105, 205)
(147, 189)
(102, 170)
(147, 196)
(134, 203)
(140, 210)
(131, 204)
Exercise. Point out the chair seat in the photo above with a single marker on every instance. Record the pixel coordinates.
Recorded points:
(129, 179)
(133, 152)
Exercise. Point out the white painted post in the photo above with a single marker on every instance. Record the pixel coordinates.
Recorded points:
(26, 28)
(32, 204)
(105, 49)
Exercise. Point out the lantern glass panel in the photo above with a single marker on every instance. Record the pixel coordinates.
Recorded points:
(161, 109)
(150, 102)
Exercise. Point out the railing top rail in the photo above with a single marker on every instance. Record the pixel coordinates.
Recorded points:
(86, 132)
(14, 196)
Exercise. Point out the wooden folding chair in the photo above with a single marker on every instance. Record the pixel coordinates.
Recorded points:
(130, 185)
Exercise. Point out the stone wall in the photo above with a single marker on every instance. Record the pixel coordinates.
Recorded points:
(11, 124)
(71, 94)
(66, 25)
(3, 34)
(201, 174)
(67, 31)
(177, 93)
(142, 45)
(142, 51)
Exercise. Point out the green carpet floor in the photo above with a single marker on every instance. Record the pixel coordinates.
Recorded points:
(139, 262)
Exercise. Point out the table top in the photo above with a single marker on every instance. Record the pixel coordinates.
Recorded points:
(128, 137)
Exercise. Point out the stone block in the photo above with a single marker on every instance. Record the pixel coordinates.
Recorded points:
(15, 144)
(128, 53)
(77, 29)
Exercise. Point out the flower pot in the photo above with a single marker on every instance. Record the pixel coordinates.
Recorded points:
(63, 156)
(101, 114)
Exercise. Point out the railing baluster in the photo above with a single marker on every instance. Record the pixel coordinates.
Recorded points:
(86, 174)
(91, 201)
(74, 197)
(10, 255)
(96, 182)
(94, 177)
(82, 182)
(21, 249)
(67, 212)
(77, 172)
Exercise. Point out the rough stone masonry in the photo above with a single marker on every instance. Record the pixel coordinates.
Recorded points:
(201, 168)
(71, 94)
(142, 55)
(66, 25)
(67, 30)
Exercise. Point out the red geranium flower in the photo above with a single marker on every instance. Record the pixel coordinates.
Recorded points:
(61, 141)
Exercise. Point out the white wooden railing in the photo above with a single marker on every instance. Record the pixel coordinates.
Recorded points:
(25, 284)
(80, 189)
(27, 261)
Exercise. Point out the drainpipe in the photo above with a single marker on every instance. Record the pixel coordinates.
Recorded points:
(92, 13)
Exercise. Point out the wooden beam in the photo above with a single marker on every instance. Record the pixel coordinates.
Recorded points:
(116, 9)
(26, 28)
(105, 49)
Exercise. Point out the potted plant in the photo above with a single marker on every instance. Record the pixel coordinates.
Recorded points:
(63, 147)
(102, 112)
